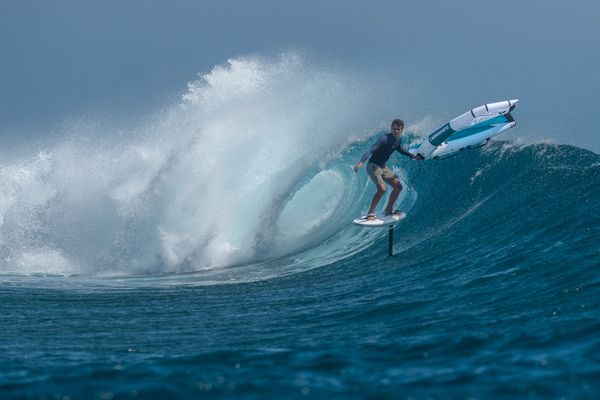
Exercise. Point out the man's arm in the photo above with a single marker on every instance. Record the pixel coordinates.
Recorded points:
(368, 153)
(409, 154)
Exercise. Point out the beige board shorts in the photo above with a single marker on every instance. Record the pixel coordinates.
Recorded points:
(378, 175)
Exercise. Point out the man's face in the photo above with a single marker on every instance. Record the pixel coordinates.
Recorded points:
(397, 130)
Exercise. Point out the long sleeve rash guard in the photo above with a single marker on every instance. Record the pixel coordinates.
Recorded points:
(383, 148)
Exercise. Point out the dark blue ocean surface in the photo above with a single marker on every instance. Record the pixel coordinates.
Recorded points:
(494, 292)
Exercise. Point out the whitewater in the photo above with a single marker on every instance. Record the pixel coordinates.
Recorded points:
(209, 183)
(209, 250)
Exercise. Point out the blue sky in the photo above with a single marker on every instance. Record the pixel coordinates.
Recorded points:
(65, 58)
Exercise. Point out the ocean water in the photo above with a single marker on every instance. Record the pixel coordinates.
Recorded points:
(210, 253)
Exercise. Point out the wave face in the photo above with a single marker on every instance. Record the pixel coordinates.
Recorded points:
(250, 178)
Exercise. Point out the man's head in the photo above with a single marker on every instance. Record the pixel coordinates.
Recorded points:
(397, 127)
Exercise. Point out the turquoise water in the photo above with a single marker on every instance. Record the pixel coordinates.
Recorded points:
(493, 292)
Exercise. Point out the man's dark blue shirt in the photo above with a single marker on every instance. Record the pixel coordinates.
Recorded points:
(383, 148)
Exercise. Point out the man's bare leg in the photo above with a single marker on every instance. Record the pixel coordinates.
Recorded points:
(393, 196)
(376, 198)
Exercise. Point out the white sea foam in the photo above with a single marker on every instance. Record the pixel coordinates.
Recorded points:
(237, 172)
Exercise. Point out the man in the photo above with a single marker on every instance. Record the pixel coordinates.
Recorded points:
(380, 152)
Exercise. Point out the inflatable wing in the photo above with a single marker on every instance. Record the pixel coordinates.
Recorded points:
(469, 130)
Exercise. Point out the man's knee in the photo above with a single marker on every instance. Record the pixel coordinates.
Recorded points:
(381, 188)
(396, 185)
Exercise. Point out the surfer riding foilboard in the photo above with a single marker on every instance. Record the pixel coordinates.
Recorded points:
(380, 152)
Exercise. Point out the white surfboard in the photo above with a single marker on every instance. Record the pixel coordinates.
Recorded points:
(380, 221)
